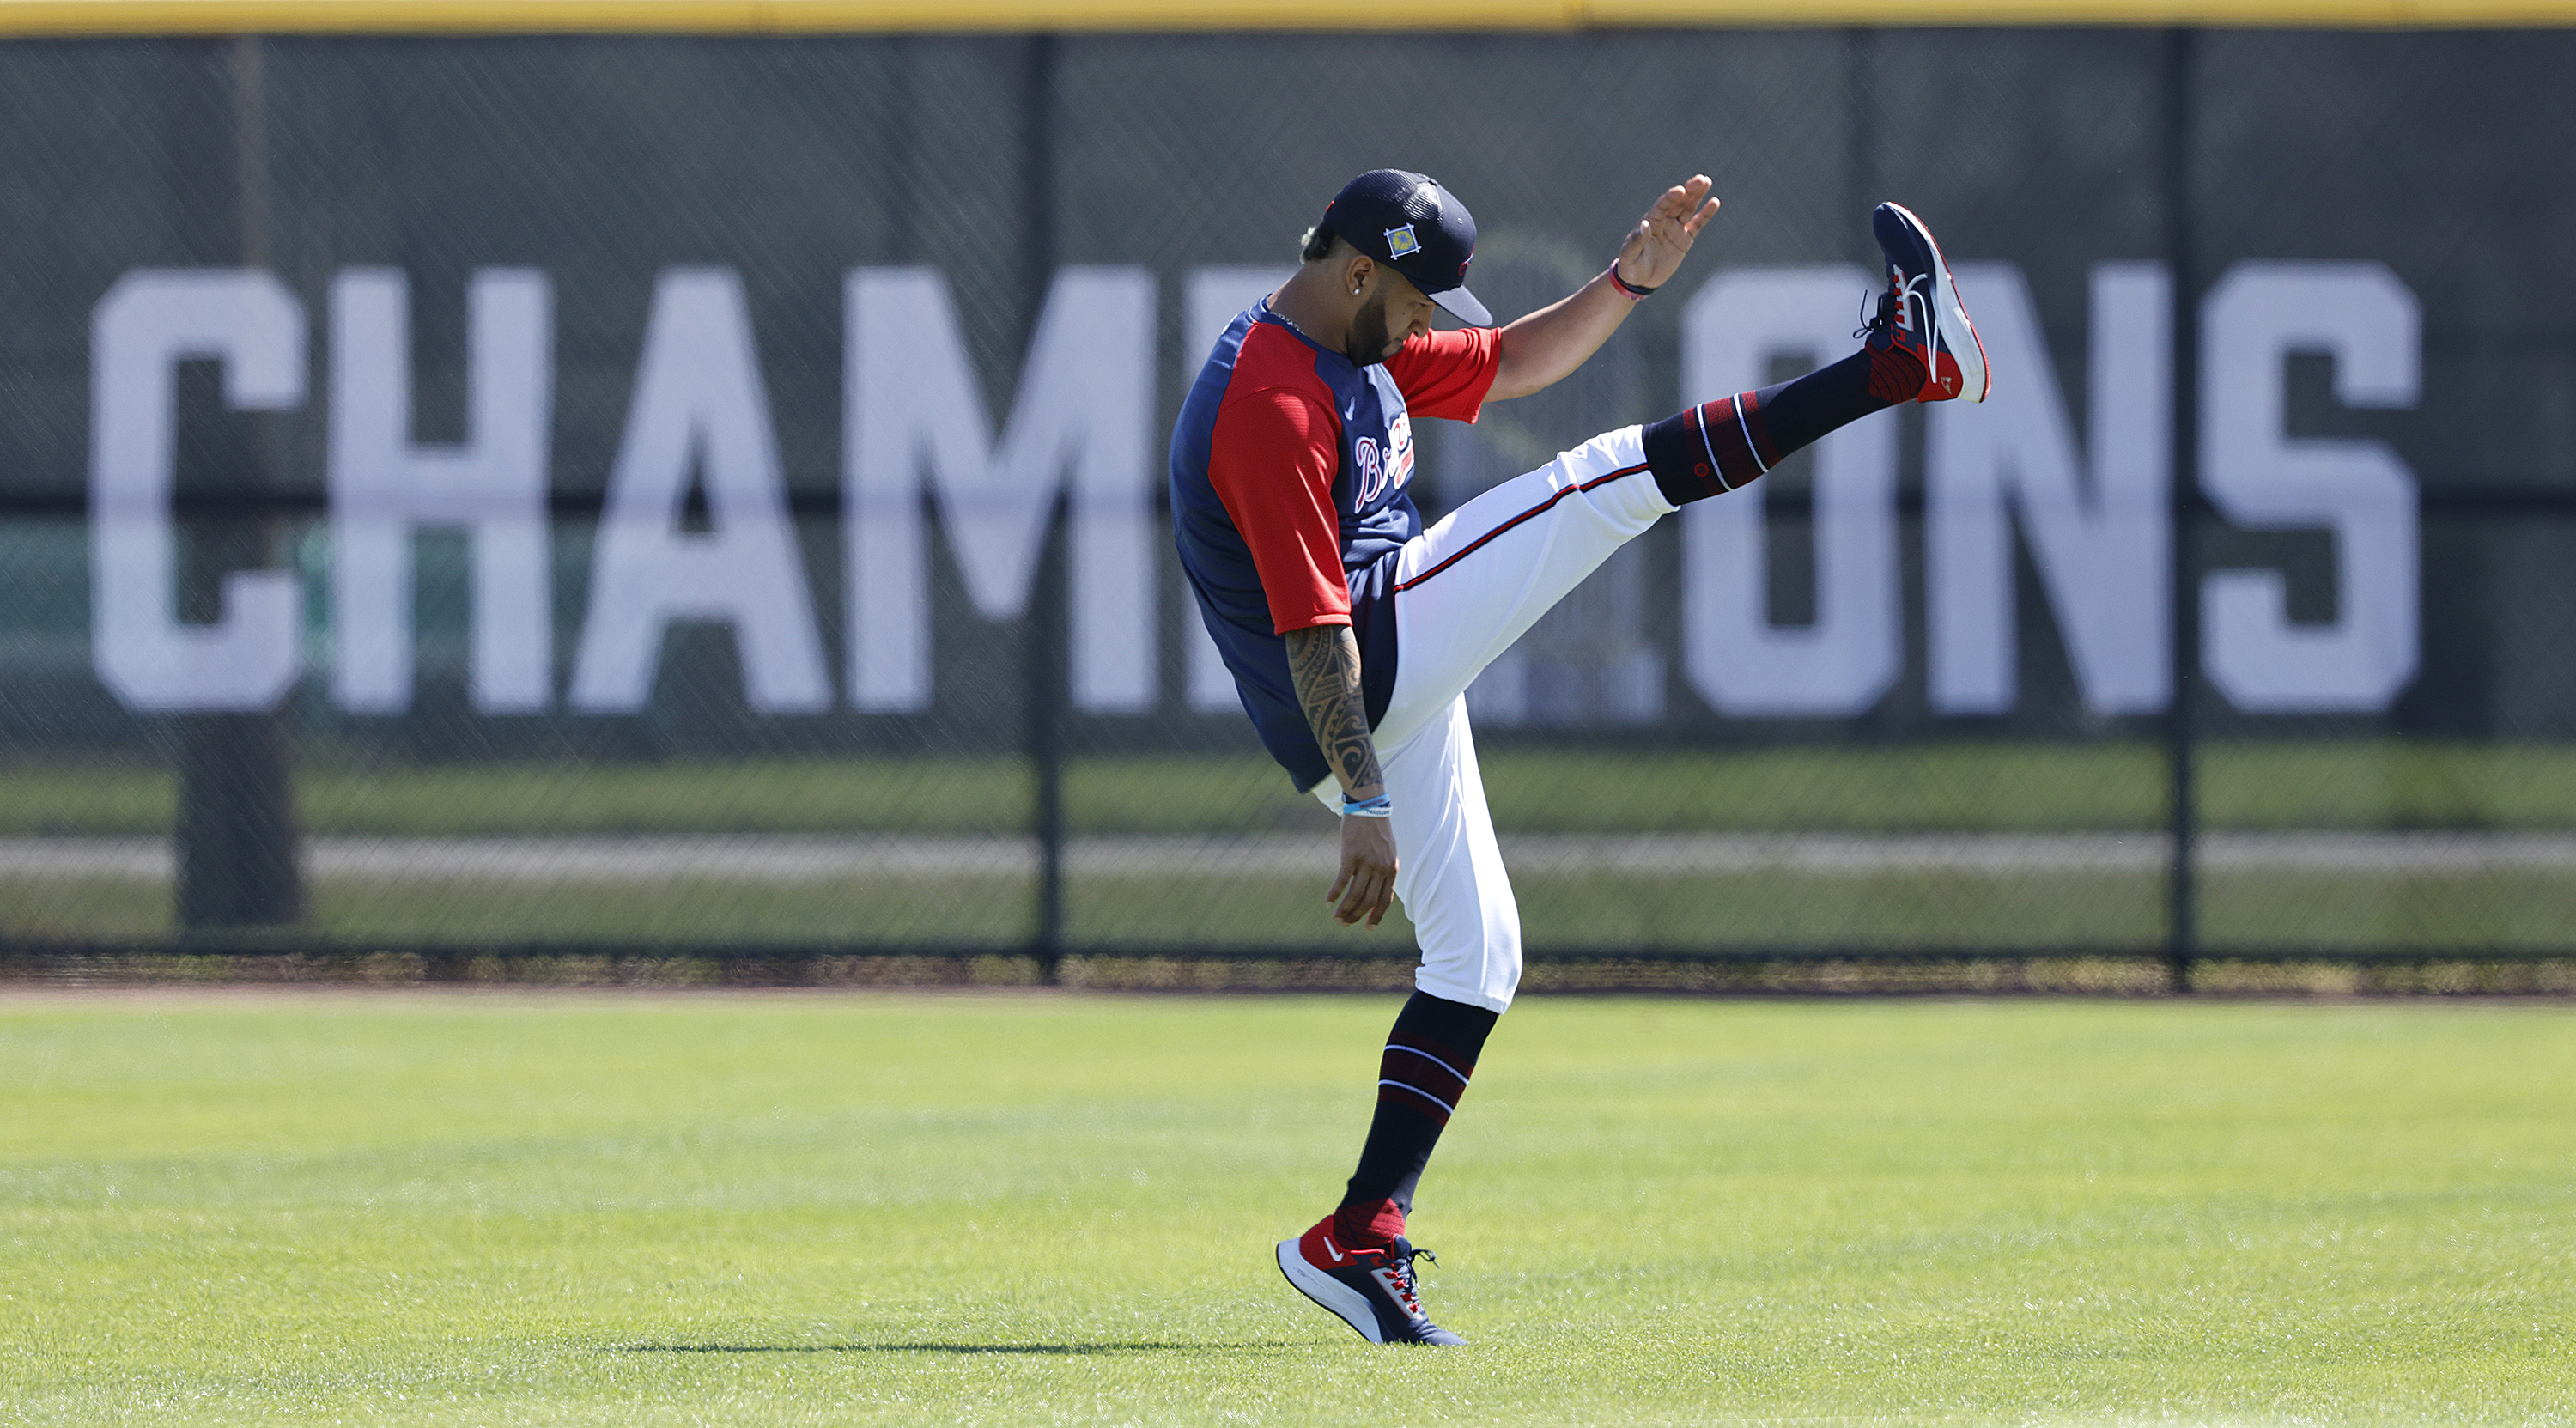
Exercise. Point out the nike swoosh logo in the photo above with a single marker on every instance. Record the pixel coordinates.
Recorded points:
(1334, 1250)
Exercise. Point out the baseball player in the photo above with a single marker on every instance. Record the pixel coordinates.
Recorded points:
(1353, 631)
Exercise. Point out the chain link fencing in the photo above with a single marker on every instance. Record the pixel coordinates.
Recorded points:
(689, 509)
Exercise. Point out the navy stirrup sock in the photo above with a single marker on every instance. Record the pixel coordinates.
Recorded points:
(1424, 1070)
(1728, 444)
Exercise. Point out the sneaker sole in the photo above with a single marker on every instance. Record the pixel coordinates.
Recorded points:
(1952, 316)
(1329, 1292)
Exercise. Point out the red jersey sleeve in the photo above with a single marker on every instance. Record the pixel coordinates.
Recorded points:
(1446, 374)
(1272, 458)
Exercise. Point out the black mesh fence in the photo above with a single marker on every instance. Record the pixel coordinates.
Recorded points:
(597, 507)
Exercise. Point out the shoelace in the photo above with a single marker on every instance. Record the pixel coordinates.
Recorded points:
(1872, 324)
(1889, 310)
(1404, 1281)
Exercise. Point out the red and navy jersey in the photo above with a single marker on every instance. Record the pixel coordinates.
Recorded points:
(1292, 477)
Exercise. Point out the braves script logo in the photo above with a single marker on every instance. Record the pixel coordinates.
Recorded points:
(1371, 470)
(1380, 472)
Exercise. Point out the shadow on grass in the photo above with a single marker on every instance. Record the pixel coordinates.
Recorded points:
(1100, 1348)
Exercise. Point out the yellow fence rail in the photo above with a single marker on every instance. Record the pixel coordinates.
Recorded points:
(31, 18)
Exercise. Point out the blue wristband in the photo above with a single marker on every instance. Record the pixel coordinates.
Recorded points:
(1378, 807)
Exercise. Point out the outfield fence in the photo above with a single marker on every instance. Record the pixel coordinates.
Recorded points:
(634, 507)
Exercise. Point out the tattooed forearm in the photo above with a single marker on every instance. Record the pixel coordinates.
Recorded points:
(1325, 663)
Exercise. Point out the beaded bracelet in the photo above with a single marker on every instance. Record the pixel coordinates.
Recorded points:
(1378, 807)
(1634, 293)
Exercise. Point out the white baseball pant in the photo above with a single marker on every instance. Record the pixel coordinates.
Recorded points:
(1465, 589)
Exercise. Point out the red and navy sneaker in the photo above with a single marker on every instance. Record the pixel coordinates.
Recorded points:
(1920, 317)
(1372, 1289)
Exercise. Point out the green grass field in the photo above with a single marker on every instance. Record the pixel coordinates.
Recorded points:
(236, 1208)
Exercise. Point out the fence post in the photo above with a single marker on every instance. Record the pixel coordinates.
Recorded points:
(2182, 910)
(1860, 133)
(1046, 630)
(236, 834)
(1050, 590)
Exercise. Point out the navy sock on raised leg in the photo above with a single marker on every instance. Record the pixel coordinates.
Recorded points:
(1728, 444)
(1429, 1055)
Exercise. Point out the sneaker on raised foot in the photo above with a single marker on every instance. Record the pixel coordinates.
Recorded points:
(1921, 318)
(1372, 1289)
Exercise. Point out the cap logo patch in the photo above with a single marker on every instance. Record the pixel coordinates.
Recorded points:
(1400, 242)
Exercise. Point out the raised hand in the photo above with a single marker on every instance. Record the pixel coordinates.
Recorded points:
(1655, 248)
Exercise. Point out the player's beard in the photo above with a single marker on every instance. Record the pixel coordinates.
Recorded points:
(1368, 340)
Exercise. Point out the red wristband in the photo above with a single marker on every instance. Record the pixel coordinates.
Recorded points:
(1633, 292)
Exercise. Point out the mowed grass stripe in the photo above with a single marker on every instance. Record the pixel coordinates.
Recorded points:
(789, 1209)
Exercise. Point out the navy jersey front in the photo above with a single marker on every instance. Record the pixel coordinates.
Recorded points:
(1291, 482)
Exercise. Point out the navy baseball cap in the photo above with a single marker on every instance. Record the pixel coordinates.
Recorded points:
(1413, 225)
